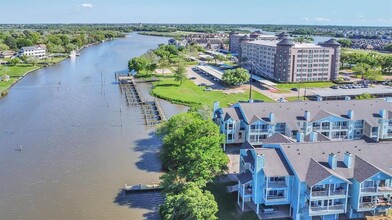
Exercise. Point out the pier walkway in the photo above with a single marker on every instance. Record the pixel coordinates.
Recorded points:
(152, 109)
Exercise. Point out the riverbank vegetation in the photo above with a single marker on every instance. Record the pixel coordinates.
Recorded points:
(192, 156)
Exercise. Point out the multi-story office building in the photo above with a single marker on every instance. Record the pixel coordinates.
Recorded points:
(336, 120)
(322, 180)
(286, 61)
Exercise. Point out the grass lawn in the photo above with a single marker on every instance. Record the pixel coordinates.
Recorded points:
(304, 84)
(15, 72)
(189, 93)
(227, 202)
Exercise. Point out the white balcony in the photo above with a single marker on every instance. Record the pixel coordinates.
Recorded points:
(326, 210)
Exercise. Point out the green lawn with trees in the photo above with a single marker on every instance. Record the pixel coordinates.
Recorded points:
(190, 94)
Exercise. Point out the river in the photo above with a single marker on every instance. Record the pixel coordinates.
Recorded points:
(76, 156)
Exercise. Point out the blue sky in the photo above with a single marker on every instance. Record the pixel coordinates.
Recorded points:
(322, 12)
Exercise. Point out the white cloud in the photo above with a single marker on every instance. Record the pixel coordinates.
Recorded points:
(316, 19)
(382, 20)
(87, 5)
(321, 19)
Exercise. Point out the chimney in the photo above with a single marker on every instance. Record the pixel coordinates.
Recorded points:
(319, 98)
(332, 160)
(347, 98)
(300, 137)
(350, 114)
(271, 117)
(313, 136)
(383, 113)
(260, 161)
(307, 115)
(348, 159)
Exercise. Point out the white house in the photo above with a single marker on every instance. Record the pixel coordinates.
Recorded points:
(38, 51)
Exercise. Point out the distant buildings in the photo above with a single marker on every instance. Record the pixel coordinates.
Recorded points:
(280, 59)
(207, 41)
(334, 120)
(316, 180)
(38, 51)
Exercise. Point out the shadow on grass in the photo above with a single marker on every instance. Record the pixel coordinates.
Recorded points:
(150, 147)
(227, 202)
(146, 200)
(166, 85)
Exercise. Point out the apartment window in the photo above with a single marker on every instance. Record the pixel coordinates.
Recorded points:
(276, 179)
(230, 137)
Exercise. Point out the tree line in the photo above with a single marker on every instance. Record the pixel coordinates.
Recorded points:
(192, 156)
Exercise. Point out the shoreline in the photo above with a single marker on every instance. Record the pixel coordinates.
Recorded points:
(6, 91)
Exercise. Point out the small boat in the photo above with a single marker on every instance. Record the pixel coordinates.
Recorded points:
(142, 188)
(77, 54)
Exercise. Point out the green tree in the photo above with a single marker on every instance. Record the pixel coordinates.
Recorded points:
(11, 42)
(139, 64)
(191, 150)
(190, 204)
(22, 42)
(179, 74)
(386, 64)
(361, 69)
(365, 96)
(388, 47)
(345, 42)
(163, 64)
(14, 61)
(236, 77)
(4, 47)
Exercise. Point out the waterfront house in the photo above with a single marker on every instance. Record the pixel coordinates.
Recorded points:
(38, 51)
(336, 120)
(316, 180)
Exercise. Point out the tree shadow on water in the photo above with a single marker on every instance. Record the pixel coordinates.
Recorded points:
(149, 160)
(142, 200)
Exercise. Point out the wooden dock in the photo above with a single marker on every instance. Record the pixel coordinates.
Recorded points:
(142, 188)
(152, 110)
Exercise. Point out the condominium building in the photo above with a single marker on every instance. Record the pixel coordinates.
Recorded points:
(235, 39)
(286, 61)
(316, 180)
(336, 120)
(38, 51)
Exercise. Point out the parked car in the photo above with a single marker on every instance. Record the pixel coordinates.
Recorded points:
(294, 89)
(202, 84)
(334, 87)
(192, 78)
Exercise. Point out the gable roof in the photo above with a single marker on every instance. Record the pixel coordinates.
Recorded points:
(291, 112)
(275, 165)
(278, 138)
(369, 159)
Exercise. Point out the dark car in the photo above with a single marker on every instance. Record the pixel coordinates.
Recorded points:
(202, 84)
(192, 78)
(334, 87)
(294, 89)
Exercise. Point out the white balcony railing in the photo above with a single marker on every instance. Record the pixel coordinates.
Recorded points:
(367, 206)
(327, 209)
